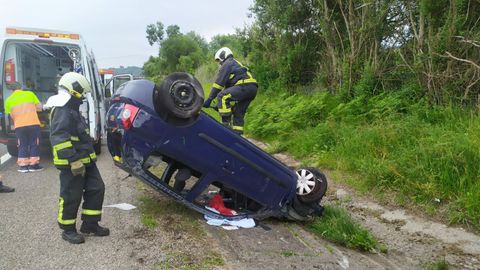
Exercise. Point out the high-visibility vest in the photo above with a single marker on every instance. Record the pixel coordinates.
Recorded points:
(21, 105)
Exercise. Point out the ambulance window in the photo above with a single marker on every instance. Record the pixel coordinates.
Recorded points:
(94, 80)
(107, 87)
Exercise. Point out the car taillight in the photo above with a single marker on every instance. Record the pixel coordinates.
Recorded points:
(128, 115)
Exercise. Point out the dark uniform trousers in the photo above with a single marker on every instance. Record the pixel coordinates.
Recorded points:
(234, 101)
(71, 190)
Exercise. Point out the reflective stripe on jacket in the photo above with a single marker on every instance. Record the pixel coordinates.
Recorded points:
(70, 138)
(231, 73)
(21, 105)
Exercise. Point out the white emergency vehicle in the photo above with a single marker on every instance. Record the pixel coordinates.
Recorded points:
(36, 59)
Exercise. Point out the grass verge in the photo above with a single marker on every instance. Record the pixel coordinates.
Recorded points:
(337, 225)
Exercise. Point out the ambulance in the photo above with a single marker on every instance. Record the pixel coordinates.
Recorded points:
(37, 59)
(106, 75)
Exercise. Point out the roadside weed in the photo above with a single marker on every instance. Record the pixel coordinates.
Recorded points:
(337, 225)
(438, 265)
(288, 253)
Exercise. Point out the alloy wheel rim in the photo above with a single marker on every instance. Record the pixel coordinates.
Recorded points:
(305, 182)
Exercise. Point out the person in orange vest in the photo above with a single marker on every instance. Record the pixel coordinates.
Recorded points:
(22, 105)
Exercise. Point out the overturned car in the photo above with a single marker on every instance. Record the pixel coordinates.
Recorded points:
(161, 126)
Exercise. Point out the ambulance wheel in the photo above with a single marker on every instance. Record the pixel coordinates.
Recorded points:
(12, 149)
(311, 185)
(180, 95)
(98, 146)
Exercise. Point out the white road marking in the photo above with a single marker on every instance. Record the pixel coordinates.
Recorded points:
(5, 158)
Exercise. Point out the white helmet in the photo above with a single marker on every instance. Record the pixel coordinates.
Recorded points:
(75, 83)
(71, 84)
(223, 54)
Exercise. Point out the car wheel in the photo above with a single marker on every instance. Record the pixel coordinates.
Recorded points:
(179, 95)
(311, 185)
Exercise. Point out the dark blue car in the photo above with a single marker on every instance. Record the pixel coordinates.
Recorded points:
(152, 124)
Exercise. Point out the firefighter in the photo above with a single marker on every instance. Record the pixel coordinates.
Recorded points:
(234, 89)
(22, 105)
(74, 156)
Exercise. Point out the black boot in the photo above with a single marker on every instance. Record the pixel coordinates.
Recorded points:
(93, 227)
(72, 236)
(5, 189)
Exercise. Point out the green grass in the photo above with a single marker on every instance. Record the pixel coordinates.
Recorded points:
(210, 111)
(149, 211)
(337, 225)
(185, 261)
(438, 265)
(385, 144)
(288, 253)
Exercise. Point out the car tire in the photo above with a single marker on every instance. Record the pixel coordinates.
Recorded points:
(311, 186)
(12, 149)
(179, 95)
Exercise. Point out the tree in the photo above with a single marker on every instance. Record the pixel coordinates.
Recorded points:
(391, 44)
(231, 41)
(173, 30)
(155, 33)
(178, 52)
(176, 47)
(199, 40)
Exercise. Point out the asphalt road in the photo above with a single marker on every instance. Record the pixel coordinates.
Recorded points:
(31, 239)
(3, 149)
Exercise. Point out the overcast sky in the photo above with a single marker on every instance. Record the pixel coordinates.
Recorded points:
(115, 29)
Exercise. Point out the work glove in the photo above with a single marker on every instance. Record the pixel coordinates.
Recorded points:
(77, 168)
(207, 103)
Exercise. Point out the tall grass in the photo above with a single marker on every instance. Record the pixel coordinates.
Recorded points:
(426, 154)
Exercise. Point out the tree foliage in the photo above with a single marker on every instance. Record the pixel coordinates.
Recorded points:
(370, 46)
(178, 52)
(428, 48)
(155, 33)
(231, 41)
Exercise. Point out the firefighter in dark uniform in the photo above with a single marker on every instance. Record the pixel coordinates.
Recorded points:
(74, 156)
(234, 89)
